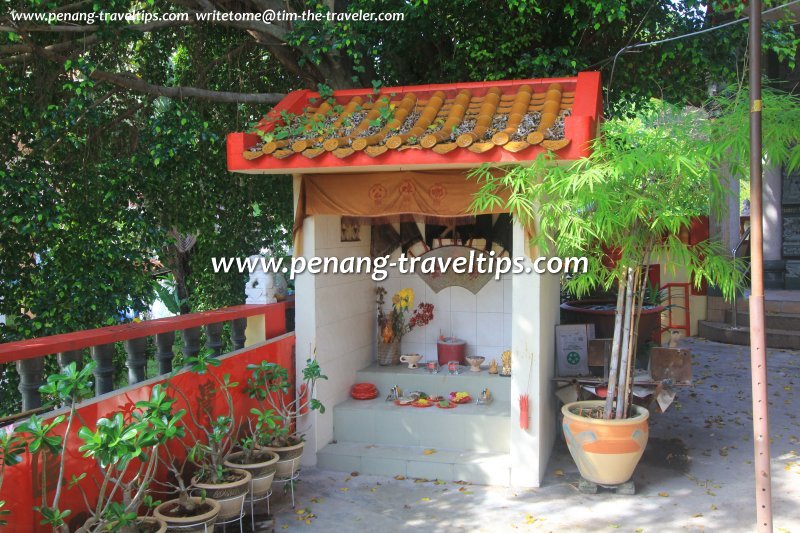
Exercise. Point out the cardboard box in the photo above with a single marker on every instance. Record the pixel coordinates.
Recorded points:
(599, 351)
(572, 349)
(672, 364)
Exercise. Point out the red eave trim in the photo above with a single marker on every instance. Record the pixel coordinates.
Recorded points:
(77, 340)
(581, 128)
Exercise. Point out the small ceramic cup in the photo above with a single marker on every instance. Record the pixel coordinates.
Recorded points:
(411, 359)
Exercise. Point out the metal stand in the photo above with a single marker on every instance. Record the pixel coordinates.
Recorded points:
(252, 501)
(290, 481)
(589, 487)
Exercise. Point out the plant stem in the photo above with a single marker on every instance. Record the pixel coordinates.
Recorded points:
(63, 461)
(623, 364)
(636, 309)
(615, 351)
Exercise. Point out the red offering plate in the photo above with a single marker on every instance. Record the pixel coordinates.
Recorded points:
(364, 391)
(450, 405)
(465, 399)
(364, 396)
(400, 404)
(427, 403)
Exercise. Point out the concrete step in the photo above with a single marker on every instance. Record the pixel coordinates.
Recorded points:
(480, 428)
(775, 301)
(776, 338)
(785, 321)
(442, 383)
(485, 468)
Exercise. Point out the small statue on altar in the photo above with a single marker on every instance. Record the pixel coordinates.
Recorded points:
(493, 367)
(506, 359)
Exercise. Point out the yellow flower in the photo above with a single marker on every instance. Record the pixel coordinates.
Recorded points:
(404, 299)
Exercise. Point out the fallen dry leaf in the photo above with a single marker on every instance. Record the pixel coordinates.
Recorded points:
(425, 499)
(558, 473)
(373, 489)
(664, 494)
(316, 500)
(698, 515)
(439, 482)
(354, 474)
(344, 489)
(399, 477)
(429, 451)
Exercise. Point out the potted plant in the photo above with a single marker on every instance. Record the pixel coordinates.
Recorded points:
(11, 448)
(211, 444)
(647, 176)
(125, 447)
(187, 512)
(259, 461)
(40, 437)
(393, 325)
(124, 444)
(269, 384)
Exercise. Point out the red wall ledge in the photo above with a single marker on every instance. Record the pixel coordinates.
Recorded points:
(77, 340)
(22, 488)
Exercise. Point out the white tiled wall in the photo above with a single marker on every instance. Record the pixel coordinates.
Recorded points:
(335, 313)
(483, 319)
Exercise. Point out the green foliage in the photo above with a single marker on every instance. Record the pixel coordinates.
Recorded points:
(11, 448)
(646, 178)
(211, 448)
(267, 384)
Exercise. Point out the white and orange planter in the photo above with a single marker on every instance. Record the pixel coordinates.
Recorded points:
(605, 451)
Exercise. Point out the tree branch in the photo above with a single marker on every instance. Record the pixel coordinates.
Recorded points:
(129, 81)
(139, 85)
(92, 28)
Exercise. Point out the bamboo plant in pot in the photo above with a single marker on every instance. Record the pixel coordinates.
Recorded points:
(647, 176)
(269, 385)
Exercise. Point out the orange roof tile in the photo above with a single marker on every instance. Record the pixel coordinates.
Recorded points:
(432, 126)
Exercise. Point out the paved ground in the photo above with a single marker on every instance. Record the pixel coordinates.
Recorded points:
(697, 474)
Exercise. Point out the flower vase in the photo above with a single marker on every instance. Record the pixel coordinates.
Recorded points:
(389, 353)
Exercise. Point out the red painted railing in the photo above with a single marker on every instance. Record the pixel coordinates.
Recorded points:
(27, 349)
(21, 485)
(29, 354)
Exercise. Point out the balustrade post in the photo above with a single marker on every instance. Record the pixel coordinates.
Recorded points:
(191, 342)
(137, 359)
(103, 356)
(31, 373)
(238, 325)
(164, 352)
(214, 338)
(72, 356)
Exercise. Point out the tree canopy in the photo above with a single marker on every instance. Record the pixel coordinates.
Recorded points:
(112, 133)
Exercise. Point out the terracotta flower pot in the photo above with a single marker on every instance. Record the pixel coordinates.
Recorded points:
(605, 451)
(592, 312)
(230, 495)
(262, 470)
(289, 460)
(202, 522)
